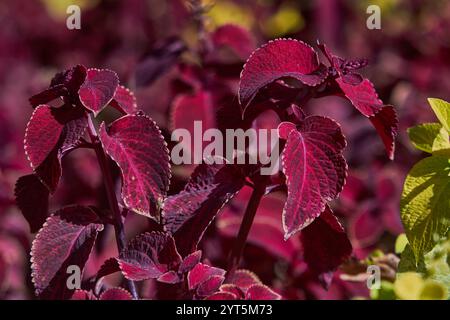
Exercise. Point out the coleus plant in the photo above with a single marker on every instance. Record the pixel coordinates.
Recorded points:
(425, 205)
(282, 76)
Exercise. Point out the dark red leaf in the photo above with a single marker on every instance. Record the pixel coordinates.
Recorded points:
(108, 267)
(186, 109)
(116, 294)
(51, 133)
(169, 277)
(363, 96)
(244, 279)
(66, 238)
(325, 243)
(137, 146)
(366, 226)
(148, 256)
(222, 296)
(234, 289)
(261, 292)
(236, 38)
(42, 135)
(124, 100)
(72, 78)
(384, 118)
(32, 200)
(209, 286)
(189, 213)
(386, 123)
(277, 59)
(314, 167)
(83, 295)
(190, 261)
(98, 89)
(48, 95)
(202, 272)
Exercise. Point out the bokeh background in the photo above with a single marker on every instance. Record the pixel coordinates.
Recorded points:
(149, 43)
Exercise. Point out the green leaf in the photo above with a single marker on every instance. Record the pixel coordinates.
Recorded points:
(433, 266)
(408, 286)
(442, 110)
(400, 243)
(429, 137)
(425, 204)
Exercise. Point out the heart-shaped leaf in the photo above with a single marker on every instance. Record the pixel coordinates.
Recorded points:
(278, 59)
(50, 134)
(201, 273)
(148, 256)
(42, 135)
(98, 89)
(135, 143)
(325, 243)
(66, 239)
(124, 101)
(314, 167)
(188, 213)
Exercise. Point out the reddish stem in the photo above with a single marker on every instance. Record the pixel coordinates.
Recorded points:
(246, 224)
(111, 195)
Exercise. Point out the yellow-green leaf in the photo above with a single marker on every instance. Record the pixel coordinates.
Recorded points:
(433, 290)
(408, 286)
(425, 204)
(442, 110)
(429, 137)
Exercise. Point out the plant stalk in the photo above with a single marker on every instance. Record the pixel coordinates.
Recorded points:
(246, 224)
(111, 195)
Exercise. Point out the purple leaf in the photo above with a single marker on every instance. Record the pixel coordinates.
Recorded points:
(384, 118)
(42, 135)
(137, 146)
(124, 101)
(116, 294)
(222, 296)
(170, 277)
(32, 200)
(277, 59)
(190, 261)
(210, 286)
(314, 167)
(148, 256)
(234, 289)
(83, 295)
(98, 89)
(202, 272)
(325, 243)
(386, 123)
(244, 279)
(234, 37)
(108, 267)
(51, 133)
(261, 292)
(189, 213)
(48, 95)
(66, 238)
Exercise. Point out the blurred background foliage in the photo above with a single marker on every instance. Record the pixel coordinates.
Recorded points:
(409, 60)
